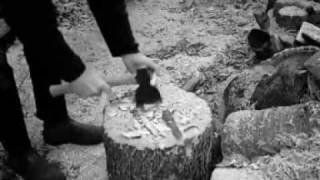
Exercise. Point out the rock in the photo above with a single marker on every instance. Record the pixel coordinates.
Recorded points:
(237, 174)
(262, 132)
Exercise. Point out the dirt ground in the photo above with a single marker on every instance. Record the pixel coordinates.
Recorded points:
(183, 40)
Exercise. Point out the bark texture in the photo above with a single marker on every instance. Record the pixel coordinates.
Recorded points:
(263, 132)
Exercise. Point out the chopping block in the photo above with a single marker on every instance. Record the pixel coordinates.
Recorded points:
(140, 145)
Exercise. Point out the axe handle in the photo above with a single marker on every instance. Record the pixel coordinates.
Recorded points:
(57, 90)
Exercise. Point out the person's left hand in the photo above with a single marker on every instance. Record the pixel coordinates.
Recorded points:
(136, 61)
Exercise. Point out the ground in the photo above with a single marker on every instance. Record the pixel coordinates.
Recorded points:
(183, 40)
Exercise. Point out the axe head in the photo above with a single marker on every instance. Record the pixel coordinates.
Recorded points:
(146, 93)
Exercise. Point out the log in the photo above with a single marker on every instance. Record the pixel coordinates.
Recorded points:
(290, 17)
(288, 85)
(279, 81)
(140, 146)
(309, 34)
(263, 132)
(240, 88)
(290, 14)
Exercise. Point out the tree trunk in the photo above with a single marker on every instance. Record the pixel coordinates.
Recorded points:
(139, 145)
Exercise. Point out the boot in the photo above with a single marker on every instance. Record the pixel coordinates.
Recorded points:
(31, 166)
(70, 131)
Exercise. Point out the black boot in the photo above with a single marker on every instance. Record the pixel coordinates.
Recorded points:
(31, 166)
(70, 131)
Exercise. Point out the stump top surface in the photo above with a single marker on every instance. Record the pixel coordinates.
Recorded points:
(125, 124)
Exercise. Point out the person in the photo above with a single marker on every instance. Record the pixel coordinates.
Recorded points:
(50, 61)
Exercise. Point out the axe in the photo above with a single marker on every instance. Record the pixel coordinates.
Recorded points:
(146, 93)
(57, 90)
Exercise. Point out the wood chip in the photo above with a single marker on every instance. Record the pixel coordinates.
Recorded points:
(147, 124)
(149, 114)
(124, 107)
(132, 134)
(112, 112)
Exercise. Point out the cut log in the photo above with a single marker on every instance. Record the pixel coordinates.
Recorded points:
(309, 34)
(291, 16)
(239, 89)
(139, 145)
(264, 132)
(288, 85)
(291, 13)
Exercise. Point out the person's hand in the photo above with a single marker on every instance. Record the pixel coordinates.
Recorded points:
(136, 61)
(90, 83)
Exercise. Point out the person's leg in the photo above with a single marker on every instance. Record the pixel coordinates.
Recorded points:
(59, 128)
(44, 44)
(50, 109)
(13, 133)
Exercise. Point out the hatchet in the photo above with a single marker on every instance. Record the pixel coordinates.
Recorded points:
(146, 93)
(57, 90)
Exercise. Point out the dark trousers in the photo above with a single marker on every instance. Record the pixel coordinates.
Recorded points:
(13, 134)
(50, 59)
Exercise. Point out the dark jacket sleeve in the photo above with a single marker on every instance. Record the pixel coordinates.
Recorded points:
(112, 19)
(34, 23)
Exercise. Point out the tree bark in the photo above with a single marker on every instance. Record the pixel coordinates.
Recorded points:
(264, 132)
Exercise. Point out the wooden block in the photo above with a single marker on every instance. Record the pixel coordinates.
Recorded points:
(309, 30)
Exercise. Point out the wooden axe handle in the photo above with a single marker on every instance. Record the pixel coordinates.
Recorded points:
(57, 90)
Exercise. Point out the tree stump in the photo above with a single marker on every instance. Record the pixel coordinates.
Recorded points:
(290, 14)
(139, 145)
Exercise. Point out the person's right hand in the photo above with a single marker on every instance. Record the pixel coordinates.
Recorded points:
(90, 83)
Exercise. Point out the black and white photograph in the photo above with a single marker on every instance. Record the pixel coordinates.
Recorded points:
(160, 90)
